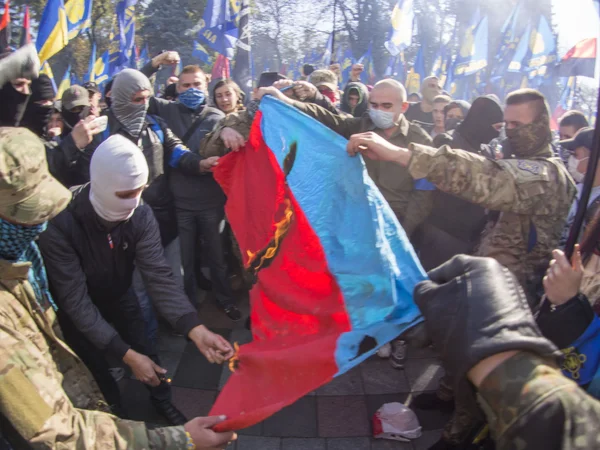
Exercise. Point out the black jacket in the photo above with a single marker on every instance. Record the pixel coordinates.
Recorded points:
(90, 269)
(158, 153)
(67, 163)
(191, 192)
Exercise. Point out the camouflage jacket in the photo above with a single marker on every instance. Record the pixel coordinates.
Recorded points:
(529, 404)
(46, 393)
(531, 196)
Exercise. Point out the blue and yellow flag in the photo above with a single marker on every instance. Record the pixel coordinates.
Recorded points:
(403, 16)
(516, 64)
(542, 50)
(201, 52)
(47, 70)
(89, 76)
(219, 26)
(79, 16)
(416, 74)
(53, 33)
(65, 83)
(346, 65)
(101, 71)
(473, 54)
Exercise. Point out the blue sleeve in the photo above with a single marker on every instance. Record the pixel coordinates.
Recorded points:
(176, 155)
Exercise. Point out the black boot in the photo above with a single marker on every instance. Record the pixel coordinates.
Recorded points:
(430, 400)
(166, 409)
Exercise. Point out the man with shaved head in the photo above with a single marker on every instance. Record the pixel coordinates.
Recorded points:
(421, 113)
(385, 117)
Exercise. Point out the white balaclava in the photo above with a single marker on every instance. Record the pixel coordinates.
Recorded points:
(117, 165)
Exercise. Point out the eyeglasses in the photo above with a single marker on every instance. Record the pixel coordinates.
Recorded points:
(90, 84)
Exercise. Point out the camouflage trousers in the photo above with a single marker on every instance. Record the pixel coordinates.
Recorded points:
(466, 419)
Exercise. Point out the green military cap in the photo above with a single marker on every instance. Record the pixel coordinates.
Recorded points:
(29, 195)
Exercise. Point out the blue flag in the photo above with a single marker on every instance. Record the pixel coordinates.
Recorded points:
(53, 33)
(509, 42)
(327, 53)
(102, 69)
(122, 38)
(368, 75)
(473, 54)
(542, 52)
(416, 74)
(438, 68)
(516, 64)
(144, 57)
(346, 65)
(65, 83)
(89, 76)
(403, 16)
(201, 52)
(219, 27)
(79, 16)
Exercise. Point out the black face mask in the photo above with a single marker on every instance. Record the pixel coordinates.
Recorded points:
(452, 123)
(72, 118)
(37, 117)
(13, 106)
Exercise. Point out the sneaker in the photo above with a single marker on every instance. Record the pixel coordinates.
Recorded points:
(233, 313)
(385, 351)
(398, 354)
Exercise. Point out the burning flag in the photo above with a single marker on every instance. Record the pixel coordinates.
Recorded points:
(335, 272)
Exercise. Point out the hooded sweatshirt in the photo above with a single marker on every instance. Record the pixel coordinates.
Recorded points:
(363, 99)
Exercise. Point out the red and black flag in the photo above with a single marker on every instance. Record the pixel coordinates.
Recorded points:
(580, 60)
(5, 28)
(26, 33)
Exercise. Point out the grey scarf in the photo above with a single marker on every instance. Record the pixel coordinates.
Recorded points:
(126, 84)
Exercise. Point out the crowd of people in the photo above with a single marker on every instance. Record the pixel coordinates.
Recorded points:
(109, 213)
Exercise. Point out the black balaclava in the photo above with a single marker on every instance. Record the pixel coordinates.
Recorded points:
(477, 127)
(72, 118)
(37, 116)
(464, 106)
(107, 89)
(13, 106)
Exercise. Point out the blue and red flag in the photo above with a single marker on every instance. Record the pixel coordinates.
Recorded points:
(335, 270)
(580, 60)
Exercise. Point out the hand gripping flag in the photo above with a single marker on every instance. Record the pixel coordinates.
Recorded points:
(335, 270)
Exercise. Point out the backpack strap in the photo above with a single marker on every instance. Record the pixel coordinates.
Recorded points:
(192, 129)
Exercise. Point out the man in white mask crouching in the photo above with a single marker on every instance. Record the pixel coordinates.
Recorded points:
(91, 250)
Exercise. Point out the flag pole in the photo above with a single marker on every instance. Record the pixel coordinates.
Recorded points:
(333, 32)
(588, 183)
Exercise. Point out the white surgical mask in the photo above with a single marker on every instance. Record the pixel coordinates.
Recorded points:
(382, 119)
(572, 165)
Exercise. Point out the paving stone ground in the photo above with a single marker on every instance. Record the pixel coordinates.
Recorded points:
(335, 417)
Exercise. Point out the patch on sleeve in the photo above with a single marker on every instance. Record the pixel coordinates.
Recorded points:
(530, 166)
(21, 403)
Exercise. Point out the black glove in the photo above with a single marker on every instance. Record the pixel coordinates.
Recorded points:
(475, 308)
